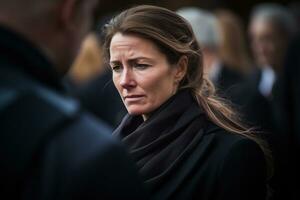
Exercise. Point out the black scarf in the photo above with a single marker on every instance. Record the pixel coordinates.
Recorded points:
(163, 142)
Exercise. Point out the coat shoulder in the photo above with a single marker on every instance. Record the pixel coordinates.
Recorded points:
(229, 143)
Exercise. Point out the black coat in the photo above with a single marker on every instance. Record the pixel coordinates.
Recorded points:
(228, 82)
(256, 108)
(49, 149)
(267, 115)
(182, 155)
(291, 103)
(228, 78)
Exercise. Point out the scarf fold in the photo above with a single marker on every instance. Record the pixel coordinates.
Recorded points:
(161, 144)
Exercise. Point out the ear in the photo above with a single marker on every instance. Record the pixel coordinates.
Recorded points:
(181, 68)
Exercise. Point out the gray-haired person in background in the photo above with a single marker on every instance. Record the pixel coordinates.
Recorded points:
(208, 33)
(270, 30)
(49, 149)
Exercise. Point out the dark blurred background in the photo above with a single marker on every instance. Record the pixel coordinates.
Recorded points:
(240, 7)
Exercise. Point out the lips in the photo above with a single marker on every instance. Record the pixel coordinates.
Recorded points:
(133, 98)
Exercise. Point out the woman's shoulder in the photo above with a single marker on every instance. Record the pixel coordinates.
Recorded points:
(234, 153)
(227, 141)
(240, 165)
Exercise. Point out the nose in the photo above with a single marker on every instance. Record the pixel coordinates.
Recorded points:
(127, 80)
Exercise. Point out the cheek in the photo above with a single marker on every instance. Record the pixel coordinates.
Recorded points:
(116, 81)
(161, 88)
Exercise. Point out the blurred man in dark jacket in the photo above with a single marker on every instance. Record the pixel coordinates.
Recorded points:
(271, 29)
(291, 102)
(49, 149)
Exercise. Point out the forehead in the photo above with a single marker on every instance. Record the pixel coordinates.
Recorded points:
(260, 26)
(132, 44)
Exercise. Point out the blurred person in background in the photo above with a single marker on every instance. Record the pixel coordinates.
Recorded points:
(91, 82)
(186, 142)
(88, 64)
(291, 102)
(49, 148)
(294, 8)
(290, 93)
(271, 29)
(212, 38)
(233, 50)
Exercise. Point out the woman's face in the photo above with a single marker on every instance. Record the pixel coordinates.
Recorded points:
(141, 74)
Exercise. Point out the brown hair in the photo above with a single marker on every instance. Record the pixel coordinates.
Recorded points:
(233, 49)
(174, 37)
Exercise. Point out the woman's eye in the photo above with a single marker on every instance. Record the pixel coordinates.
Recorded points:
(116, 68)
(141, 66)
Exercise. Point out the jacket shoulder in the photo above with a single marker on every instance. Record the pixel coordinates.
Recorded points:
(227, 143)
(240, 163)
(92, 163)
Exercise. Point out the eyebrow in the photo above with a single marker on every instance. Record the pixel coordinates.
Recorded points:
(114, 62)
(132, 60)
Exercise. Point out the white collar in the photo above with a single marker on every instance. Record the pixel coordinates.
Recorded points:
(215, 71)
(267, 80)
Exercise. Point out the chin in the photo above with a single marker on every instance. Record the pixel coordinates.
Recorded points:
(137, 111)
(134, 112)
